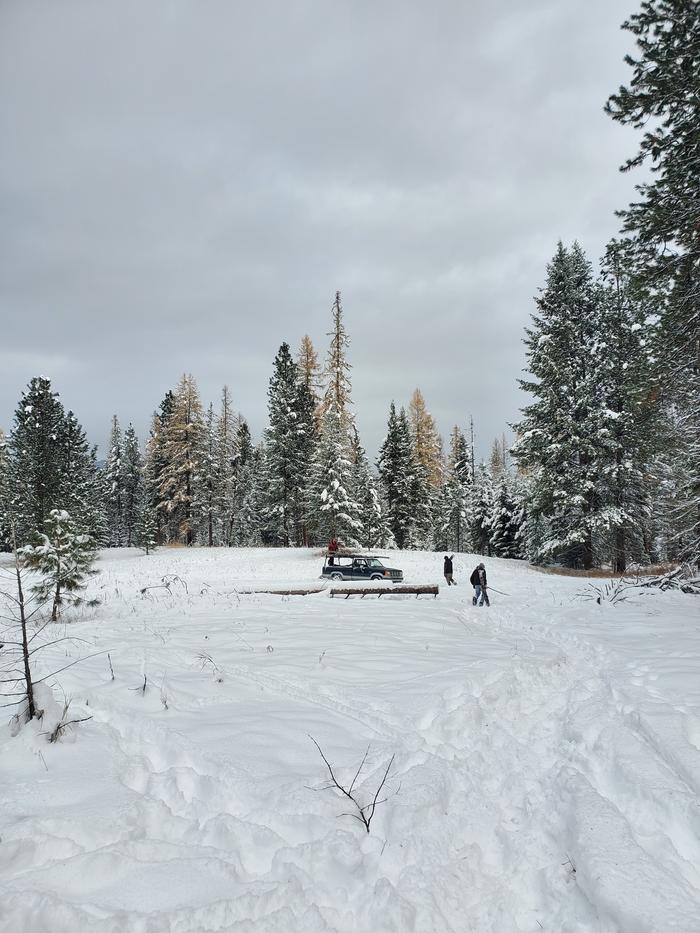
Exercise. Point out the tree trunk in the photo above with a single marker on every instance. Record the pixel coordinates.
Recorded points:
(29, 686)
(619, 561)
(56, 602)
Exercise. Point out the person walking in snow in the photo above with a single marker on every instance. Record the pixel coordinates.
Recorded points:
(447, 570)
(478, 581)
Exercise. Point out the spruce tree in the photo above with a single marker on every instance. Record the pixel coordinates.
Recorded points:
(132, 482)
(208, 499)
(114, 493)
(505, 518)
(558, 433)
(145, 532)
(662, 98)
(35, 478)
(373, 529)
(156, 461)
(81, 494)
(289, 444)
(336, 513)
(481, 510)
(227, 451)
(396, 472)
(453, 518)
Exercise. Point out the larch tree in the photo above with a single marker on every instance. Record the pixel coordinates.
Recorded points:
(427, 443)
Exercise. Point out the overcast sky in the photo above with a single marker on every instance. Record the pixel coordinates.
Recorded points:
(185, 184)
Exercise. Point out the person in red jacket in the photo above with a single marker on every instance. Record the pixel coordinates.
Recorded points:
(478, 581)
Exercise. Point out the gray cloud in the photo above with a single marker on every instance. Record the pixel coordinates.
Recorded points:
(183, 186)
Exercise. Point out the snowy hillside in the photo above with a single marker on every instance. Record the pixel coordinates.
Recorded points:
(546, 772)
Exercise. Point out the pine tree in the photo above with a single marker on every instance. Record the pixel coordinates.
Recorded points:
(183, 440)
(112, 476)
(64, 558)
(663, 99)
(132, 482)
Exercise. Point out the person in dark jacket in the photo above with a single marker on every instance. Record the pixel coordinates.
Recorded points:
(447, 570)
(478, 581)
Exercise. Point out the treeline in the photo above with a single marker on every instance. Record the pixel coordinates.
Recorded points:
(202, 480)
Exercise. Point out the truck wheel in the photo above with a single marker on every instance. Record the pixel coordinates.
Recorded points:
(376, 576)
(336, 576)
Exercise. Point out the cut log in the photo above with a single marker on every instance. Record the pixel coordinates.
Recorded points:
(346, 591)
(306, 591)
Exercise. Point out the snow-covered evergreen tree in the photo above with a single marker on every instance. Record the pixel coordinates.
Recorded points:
(396, 467)
(132, 481)
(82, 495)
(114, 493)
(336, 513)
(227, 450)
(505, 518)
(208, 496)
(63, 557)
(453, 531)
(662, 98)
(289, 443)
(34, 463)
(558, 433)
(183, 443)
(145, 531)
(374, 530)
(156, 460)
(249, 517)
(481, 510)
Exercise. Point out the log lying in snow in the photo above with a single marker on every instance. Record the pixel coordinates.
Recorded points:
(346, 591)
(297, 591)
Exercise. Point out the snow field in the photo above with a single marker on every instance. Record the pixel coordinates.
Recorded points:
(547, 769)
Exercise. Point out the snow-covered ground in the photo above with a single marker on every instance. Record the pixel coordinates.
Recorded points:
(546, 772)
